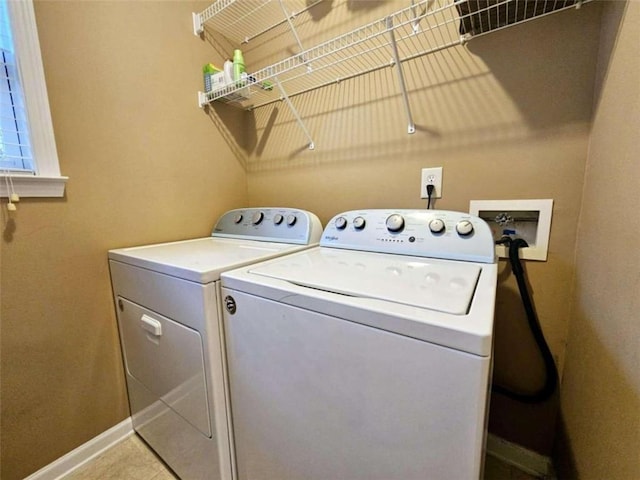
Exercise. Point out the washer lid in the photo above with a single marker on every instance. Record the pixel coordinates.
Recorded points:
(440, 285)
(201, 260)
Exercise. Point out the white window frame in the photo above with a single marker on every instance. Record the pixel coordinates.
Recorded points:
(47, 181)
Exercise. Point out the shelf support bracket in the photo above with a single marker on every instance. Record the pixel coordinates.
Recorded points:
(197, 24)
(418, 16)
(292, 27)
(202, 99)
(411, 128)
(286, 99)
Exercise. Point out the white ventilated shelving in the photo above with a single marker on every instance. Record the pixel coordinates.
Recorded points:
(243, 20)
(423, 27)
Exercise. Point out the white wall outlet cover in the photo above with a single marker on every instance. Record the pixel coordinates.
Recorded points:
(432, 175)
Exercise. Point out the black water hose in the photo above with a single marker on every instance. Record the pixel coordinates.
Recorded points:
(551, 373)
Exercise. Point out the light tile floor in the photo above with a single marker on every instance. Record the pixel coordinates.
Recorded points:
(132, 459)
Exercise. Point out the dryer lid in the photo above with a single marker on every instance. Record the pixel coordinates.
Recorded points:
(441, 285)
(201, 260)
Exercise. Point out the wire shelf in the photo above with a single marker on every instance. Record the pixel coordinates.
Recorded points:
(425, 27)
(243, 20)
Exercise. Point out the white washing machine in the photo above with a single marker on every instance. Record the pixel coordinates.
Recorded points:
(368, 357)
(169, 316)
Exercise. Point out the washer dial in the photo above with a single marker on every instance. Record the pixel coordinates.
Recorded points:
(359, 223)
(277, 219)
(436, 225)
(395, 223)
(291, 220)
(238, 218)
(341, 223)
(464, 228)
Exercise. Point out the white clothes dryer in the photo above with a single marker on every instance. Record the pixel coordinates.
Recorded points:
(368, 357)
(169, 317)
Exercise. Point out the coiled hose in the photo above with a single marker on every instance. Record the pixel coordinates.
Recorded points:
(551, 373)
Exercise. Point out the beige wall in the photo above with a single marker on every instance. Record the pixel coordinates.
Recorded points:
(507, 116)
(145, 165)
(601, 388)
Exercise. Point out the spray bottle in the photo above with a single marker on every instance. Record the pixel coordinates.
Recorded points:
(238, 67)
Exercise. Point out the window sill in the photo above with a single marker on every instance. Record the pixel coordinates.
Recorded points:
(34, 186)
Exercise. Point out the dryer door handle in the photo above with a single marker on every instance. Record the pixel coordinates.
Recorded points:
(151, 325)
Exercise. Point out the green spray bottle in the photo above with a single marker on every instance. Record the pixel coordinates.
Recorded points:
(238, 67)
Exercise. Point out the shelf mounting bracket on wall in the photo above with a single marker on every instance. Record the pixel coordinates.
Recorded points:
(294, 32)
(411, 128)
(286, 99)
(415, 25)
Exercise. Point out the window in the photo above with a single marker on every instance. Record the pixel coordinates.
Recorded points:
(27, 145)
(15, 147)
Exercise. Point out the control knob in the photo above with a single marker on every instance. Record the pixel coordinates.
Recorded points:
(464, 228)
(395, 223)
(436, 225)
(359, 223)
(238, 218)
(291, 220)
(277, 219)
(257, 218)
(341, 223)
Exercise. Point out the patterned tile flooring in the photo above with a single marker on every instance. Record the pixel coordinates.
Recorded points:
(132, 459)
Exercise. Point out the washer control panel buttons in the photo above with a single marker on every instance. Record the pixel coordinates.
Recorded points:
(429, 233)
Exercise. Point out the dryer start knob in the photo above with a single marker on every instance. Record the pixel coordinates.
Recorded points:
(395, 223)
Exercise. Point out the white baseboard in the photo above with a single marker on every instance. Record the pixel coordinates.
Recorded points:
(85, 452)
(520, 457)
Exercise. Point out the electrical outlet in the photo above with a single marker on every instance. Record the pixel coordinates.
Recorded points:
(431, 176)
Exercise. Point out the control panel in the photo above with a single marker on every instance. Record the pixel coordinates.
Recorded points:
(284, 225)
(423, 233)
